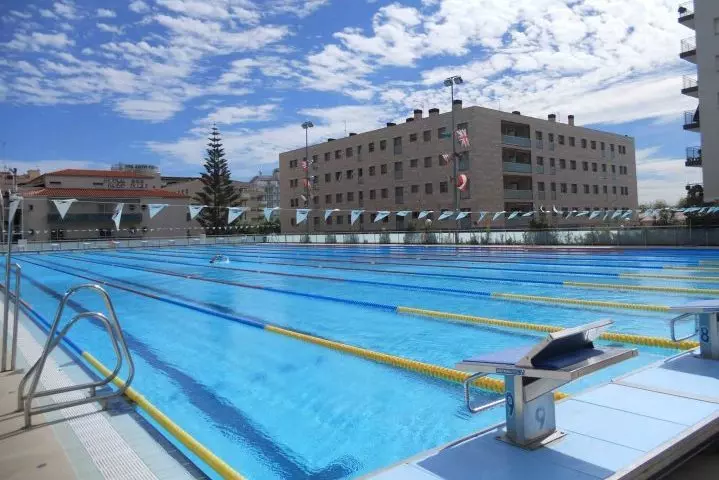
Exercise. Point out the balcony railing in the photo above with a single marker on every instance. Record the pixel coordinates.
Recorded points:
(514, 167)
(691, 120)
(92, 218)
(688, 47)
(539, 169)
(686, 9)
(519, 141)
(541, 195)
(694, 157)
(398, 174)
(539, 144)
(517, 194)
(690, 86)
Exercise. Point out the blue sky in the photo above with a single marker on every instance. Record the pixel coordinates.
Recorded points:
(91, 83)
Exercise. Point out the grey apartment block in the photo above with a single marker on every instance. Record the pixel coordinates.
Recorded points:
(514, 162)
(702, 49)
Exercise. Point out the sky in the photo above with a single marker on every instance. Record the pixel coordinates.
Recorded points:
(85, 84)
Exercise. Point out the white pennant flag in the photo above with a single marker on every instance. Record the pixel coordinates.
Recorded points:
(63, 206)
(155, 208)
(446, 215)
(195, 210)
(554, 209)
(528, 214)
(355, 214)
(583, 213)
(498, 214)
(462, 215)
(424, 213)
(481, 216)
(234, 212)
(117, 215)
(329, 212)
(628, 214)
(269, 212)
(512, 215)
(616, 213)
(381, 215)
(606, 214)
(569, 214)
(301, 215)
(403, 213)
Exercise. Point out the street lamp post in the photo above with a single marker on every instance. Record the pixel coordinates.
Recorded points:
(451, 82)
(307, 125)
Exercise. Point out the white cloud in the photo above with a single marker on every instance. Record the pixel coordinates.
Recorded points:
(235, 115)
(662, 178)
(47, 13)
(154, 109)
(301, 8)
(27, 68)
(138, 6)
(105, 13)
(39, 41)
(23, 15)
(66, 9)
(109, 28)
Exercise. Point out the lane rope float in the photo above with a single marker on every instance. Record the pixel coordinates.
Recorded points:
(575, 301)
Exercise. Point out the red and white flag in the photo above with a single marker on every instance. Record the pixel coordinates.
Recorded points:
(463, 138)
(304, 165)
(446, 157)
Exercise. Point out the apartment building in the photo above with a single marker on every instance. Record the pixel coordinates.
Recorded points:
(702, 49)
(98, 191)
(514, 163)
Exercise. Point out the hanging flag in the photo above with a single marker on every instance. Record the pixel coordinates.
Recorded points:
(155, 208)
(481, 216)
(512, 215)
(304, 165)
(355, 214)
(541, 209)
(301, 215)
(446, 157)
(195, 209)
(462, 215)
(703, 210)
(234, 212)
(403, 213)
(554, 209)
(328, 212)
(445, 215)
(569, 214)
(498, 214)
(462, 182)
(304, 199)
(62, 205)
(606, 214)
(528, 214)
(628, 214)
(583, 213)
(381, 215)
(463, 138)
(424, 213)
(616, 213)
(117, 215)
(269, 212)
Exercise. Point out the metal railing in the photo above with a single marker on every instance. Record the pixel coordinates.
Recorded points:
(516, 167)
(691, 119)
(519, 141)
(673, 326)
(112, 325)
(686, 9)
(539, 144)
(6, 321)
(688, 45)
(518, 194)
(694, 157)
(103, 218)
(689, 82)
(467, 384)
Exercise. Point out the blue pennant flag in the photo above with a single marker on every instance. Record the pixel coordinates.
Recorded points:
(355, 214)
(301, 215)
(381, 215)
(446, 215)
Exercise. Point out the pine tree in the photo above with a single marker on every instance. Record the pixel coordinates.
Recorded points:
(217, 192)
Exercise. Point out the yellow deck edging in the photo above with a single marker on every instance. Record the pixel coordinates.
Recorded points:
(215, 462)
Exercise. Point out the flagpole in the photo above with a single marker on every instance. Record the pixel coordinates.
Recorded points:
(449, 82)
(307, 125)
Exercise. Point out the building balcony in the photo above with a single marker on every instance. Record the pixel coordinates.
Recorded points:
(686, 14)
(690, 86)
(518, 194)
(688, 50)
(524, 142)
(694, 157)
(516, 167)
(691, 121)
(102, 218)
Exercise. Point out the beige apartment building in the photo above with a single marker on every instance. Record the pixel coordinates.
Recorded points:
(97, 192)
(514, 163)
(702, 49)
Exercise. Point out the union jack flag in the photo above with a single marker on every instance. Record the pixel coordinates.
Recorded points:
(463, 138)
(304, 165)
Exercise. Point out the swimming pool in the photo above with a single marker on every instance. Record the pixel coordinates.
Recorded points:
(274, 406)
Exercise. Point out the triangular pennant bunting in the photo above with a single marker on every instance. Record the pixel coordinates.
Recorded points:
(424, 213)
(498, 214)
(117, 215)
(155, 208)
(301, 215)
(381, 215)
(512, 215)
(269, 212)
(234, 212)
(62, 206)
(462, 215)
(355, 214)
(194, 210)
(445, 215)
(403, 213)
(328, 213)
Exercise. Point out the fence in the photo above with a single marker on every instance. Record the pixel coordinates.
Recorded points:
(598, 236)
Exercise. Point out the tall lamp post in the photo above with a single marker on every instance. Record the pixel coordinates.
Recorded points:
(307, 125)
(451, 82)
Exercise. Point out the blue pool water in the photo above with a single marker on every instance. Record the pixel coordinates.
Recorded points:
(276, 407)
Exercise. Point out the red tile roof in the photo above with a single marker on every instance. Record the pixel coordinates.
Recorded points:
(81, 193)
(72, 172)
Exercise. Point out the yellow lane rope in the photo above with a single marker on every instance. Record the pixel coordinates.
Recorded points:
(574, 301)
(647, 288)
(669, 277)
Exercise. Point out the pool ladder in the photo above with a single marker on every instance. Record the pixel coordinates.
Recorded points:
(112, 325)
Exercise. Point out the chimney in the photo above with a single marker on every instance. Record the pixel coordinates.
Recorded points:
(516, 112)
(352, 134)
(433, 112)
(457, 104)
(390, 124)
(570, 120)
(410, 119)
(418, 114)
(552, 117)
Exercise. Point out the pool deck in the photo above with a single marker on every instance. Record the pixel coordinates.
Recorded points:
(82, 442)
(636, 426)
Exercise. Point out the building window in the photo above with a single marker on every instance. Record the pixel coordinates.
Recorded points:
(463, 162)
(716, 26)
(327, 156)
(604, 167)
(415, 189)
(397, 145)
(383, 145)
(338, 198)
(328, 199)
(595, 188)
(338, 154)
(443, 187)
(572, 164)
(594, 144)
(563, 187)
(551, 163)
(372, 194)
(338, 176)
(348, 152)
(604, 189)
(540, 160)
(716, 63)
(614, 190)
(540, 186)
(562, 163)
(574, 188)
(427, 135)
(427, 162)
(412, 137)
(340, 219)
(553, 186)
(359, 150)
(359, 172)
(428, 188)
(292, 222)
(385, 193)
(611, 147)
(349, 174)
(538, 135)
(441, 132)
(370, 147)
(413, 163)
(398, 194)
(571, 141)
(560, 139)
(372, 171)
(329, 221)
(350, 196)
(584, 143)
(383, 169)
(550, 137)
(586, 188)
(594, 166)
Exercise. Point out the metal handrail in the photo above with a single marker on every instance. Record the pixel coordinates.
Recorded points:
(689, 82)
(686, 9)
(672, 327)
(119, 345)
(16, 313)
(467, 384)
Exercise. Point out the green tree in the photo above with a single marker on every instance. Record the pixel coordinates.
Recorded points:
(217, 192)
